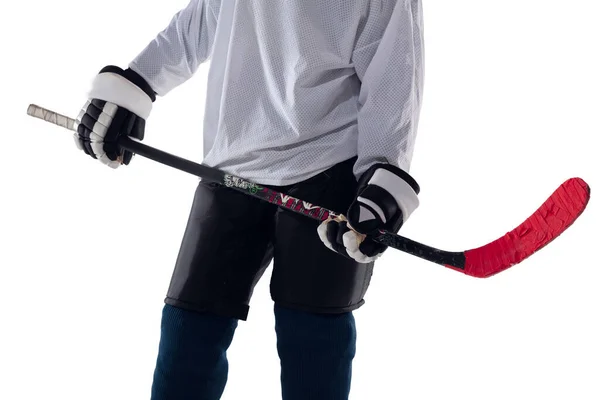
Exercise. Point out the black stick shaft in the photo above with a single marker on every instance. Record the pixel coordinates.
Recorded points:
(446, 258)
(202, 171)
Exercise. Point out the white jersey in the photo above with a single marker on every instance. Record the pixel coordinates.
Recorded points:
(297, 86)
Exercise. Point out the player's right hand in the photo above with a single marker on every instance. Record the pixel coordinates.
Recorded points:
(385, 198)
(118, 104)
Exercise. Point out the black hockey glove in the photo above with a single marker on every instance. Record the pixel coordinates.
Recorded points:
(118, 104)
(386, 197)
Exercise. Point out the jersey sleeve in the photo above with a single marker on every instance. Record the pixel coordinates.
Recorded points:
(388, 59)
(176, 53)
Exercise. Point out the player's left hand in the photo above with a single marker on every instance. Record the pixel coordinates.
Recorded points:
(386, 197)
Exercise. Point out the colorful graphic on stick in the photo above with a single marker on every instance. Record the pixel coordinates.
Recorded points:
(274, 197)
(234, 181)
(299, 206)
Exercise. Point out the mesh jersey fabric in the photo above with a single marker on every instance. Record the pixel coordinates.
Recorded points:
(297, 86)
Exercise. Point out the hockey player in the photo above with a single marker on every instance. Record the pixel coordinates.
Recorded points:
(317, 99)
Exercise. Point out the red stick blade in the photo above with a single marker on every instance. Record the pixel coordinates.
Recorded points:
(553, 217)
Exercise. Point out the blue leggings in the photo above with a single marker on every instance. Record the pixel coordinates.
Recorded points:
(315, 350)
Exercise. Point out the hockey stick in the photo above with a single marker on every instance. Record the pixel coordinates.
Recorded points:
(552, 218)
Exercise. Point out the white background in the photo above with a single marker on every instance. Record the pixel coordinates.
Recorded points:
(511, 110)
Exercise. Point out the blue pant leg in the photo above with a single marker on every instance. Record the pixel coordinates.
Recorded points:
(316, 353)
(192, 362)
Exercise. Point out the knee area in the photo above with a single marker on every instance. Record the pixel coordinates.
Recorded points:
(305, 328)
(182, 324)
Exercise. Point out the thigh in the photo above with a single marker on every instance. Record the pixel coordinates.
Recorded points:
(224, 252)
(306, 274)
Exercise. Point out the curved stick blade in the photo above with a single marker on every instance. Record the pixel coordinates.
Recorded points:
(553, 217)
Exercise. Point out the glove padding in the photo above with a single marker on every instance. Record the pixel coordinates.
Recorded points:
(118, 104)
(386, 197)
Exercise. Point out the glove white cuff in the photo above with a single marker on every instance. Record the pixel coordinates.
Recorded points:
(116, 89)
(403, 193)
